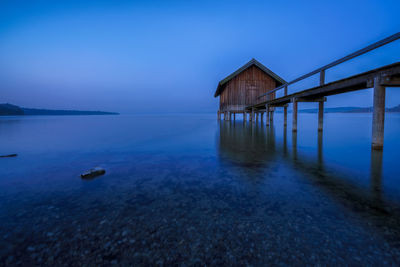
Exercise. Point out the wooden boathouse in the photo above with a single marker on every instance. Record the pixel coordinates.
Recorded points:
(243, 87)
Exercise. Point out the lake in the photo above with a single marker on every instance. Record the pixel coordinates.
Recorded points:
(190, 190)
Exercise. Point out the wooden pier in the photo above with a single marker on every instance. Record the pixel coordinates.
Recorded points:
(378, 79)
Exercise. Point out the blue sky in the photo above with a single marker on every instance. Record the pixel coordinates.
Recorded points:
(168, 56)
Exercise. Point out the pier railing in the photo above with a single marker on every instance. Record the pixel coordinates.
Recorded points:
(322, 70)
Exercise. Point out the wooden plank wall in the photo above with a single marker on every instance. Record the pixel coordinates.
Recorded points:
(244, 89)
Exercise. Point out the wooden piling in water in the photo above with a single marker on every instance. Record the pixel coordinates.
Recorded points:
(378, 118)
(267, 115)
(294, 122)
(320, 115)
(285, 116)
(272, 115)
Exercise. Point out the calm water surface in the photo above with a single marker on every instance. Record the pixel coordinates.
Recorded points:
(189, 190)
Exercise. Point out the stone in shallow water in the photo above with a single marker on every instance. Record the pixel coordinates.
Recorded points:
(8, 156)
(93, 173)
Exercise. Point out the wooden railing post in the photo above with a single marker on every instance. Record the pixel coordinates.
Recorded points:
(322, 77)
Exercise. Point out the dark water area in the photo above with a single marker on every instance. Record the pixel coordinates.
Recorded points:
(189, 190)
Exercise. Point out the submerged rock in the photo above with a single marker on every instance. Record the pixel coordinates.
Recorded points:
(93, 173)
(8, 156)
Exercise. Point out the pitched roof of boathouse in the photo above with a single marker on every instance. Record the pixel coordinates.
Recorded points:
(253, 62)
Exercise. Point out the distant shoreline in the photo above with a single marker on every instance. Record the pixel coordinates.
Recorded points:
(13, 110)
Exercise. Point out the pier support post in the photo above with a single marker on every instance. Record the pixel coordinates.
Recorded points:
(219, 115)
(272, 115)
(267, 115)
(378, 118)
(285, 116)
(252, 115)
(244, 116)
(230, 116)
(234, 116)
(320, 115)
(262, 116)
(257, 117)
(294, 122)
(225, 115)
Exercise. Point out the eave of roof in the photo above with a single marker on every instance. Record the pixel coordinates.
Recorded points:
(252, 62)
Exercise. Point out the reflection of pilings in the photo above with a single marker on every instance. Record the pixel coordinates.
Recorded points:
(376, 174)
(271, 136)
(253, 130)
(320, 154)
(285, 116)
(285, 141)
(294, 145)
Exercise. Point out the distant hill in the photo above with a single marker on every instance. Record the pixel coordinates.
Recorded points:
(13, 110)
(8, 110)
(394, 109)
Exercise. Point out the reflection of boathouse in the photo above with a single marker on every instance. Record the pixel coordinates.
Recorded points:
(243, 87)
(245, 143)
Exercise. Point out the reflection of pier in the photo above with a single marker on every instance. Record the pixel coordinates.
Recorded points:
(253, 146)
(246, 144)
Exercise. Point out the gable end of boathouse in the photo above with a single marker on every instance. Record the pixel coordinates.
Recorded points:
(243, 87)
